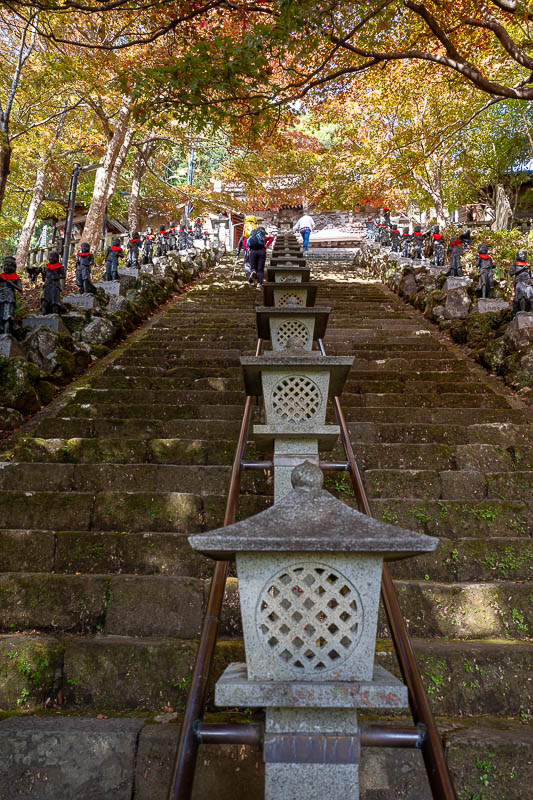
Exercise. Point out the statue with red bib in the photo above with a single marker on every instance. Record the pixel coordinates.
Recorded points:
(114, 253)
(485, 266)
(54, 273)
(523, 290)
(10, 283)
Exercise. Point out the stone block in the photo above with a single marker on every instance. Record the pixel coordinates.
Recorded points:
(147, 269)
(456, 283)
(407, 285)
(129, 272)
(80, 300)
(435, 270)
(52, 321)
(487, 306)
(10, 348)
(116, 302)
(109, 287)
(62, 758)
(457, 304)
(520, 331)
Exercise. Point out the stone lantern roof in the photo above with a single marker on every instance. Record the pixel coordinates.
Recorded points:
(265, 313)
(268, 291)
(311, 519)
(253, 366)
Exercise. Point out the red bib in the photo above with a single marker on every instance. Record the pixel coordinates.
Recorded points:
(54, 266)
(10, 276)
(115, 248)
(484, 256)
(522, 263)
(85, 254)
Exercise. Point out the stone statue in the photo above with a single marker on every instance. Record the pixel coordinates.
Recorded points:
(114, 253)
(182, 238)
(485, 266)
(418, 243)
(386, 216)
(438, 247)
(466, 238)
(198, 228)
(370, 229)
(9, 284)
(406, 243)
(395, 239)
(134, 245)
(54, 273)
(161, 242)
(523, 289)
(84, 262)
(148, 245)
(385, 235)
(455, 251)
(172, 243)
(190, 238)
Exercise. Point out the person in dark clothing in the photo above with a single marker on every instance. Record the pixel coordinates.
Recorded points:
(84, 262)
(54, 273)
(243, 245)
(258, 241)
(114, 253)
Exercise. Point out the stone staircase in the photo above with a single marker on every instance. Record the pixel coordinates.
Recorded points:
(103, 597)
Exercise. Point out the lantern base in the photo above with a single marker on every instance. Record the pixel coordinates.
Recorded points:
(384, 691)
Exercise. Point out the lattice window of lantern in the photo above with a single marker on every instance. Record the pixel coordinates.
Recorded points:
(310, 616)
(295, 330)
(287, 299)
(296, 399)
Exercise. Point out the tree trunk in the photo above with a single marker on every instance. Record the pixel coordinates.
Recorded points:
(31, 216)
(95, 216)
(144, 152)
(5, 164)
(119, 163)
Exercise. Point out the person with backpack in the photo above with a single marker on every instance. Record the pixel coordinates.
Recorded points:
(305, 225)
(257, 243)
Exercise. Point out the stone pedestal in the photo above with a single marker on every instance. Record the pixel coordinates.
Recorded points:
(52, 321)
(10, 348)
(456, 283)
(130, 272)
(311, 745)
(85, 301)
(486, 305)
(291, 326)
(111, 287)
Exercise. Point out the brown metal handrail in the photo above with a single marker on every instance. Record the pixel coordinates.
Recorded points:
(185, 763)
(193, 731)
(438, 774)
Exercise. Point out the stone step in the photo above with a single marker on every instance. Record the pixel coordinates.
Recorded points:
(415, 400)
(148, 411)
(142, 428)
(449, 484)
(445, 434)
(471, 560)
(439, 415)
(463, 679)
(160, 396)
(457, 519)
(124, 451)
(139, 756)
(162, 605)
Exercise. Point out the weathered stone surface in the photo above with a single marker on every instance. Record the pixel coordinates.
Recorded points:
(10, 418)
(52, 321)
(30, 670)
(10, 348)
(40, 345)
(59, 759)
(16, 386)
(407, 284)
(116, 302)
(99, 331)
(457, 304)
(455, 283)
(129, 272)
(487, 306)
(520, 331)
(111, 287)
(80, 300)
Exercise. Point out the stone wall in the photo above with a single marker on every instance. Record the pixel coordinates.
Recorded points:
(499, 339)
(49, 351)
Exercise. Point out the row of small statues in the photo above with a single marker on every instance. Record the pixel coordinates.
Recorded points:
(140, 251)
(412, 246)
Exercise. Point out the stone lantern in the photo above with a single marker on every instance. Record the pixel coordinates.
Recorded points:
(295, 385)
(290, 325)
(309, 571)
(291, 293)
(288, 272)
(294, 258)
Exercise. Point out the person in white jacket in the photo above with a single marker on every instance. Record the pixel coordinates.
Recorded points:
(305, 225)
